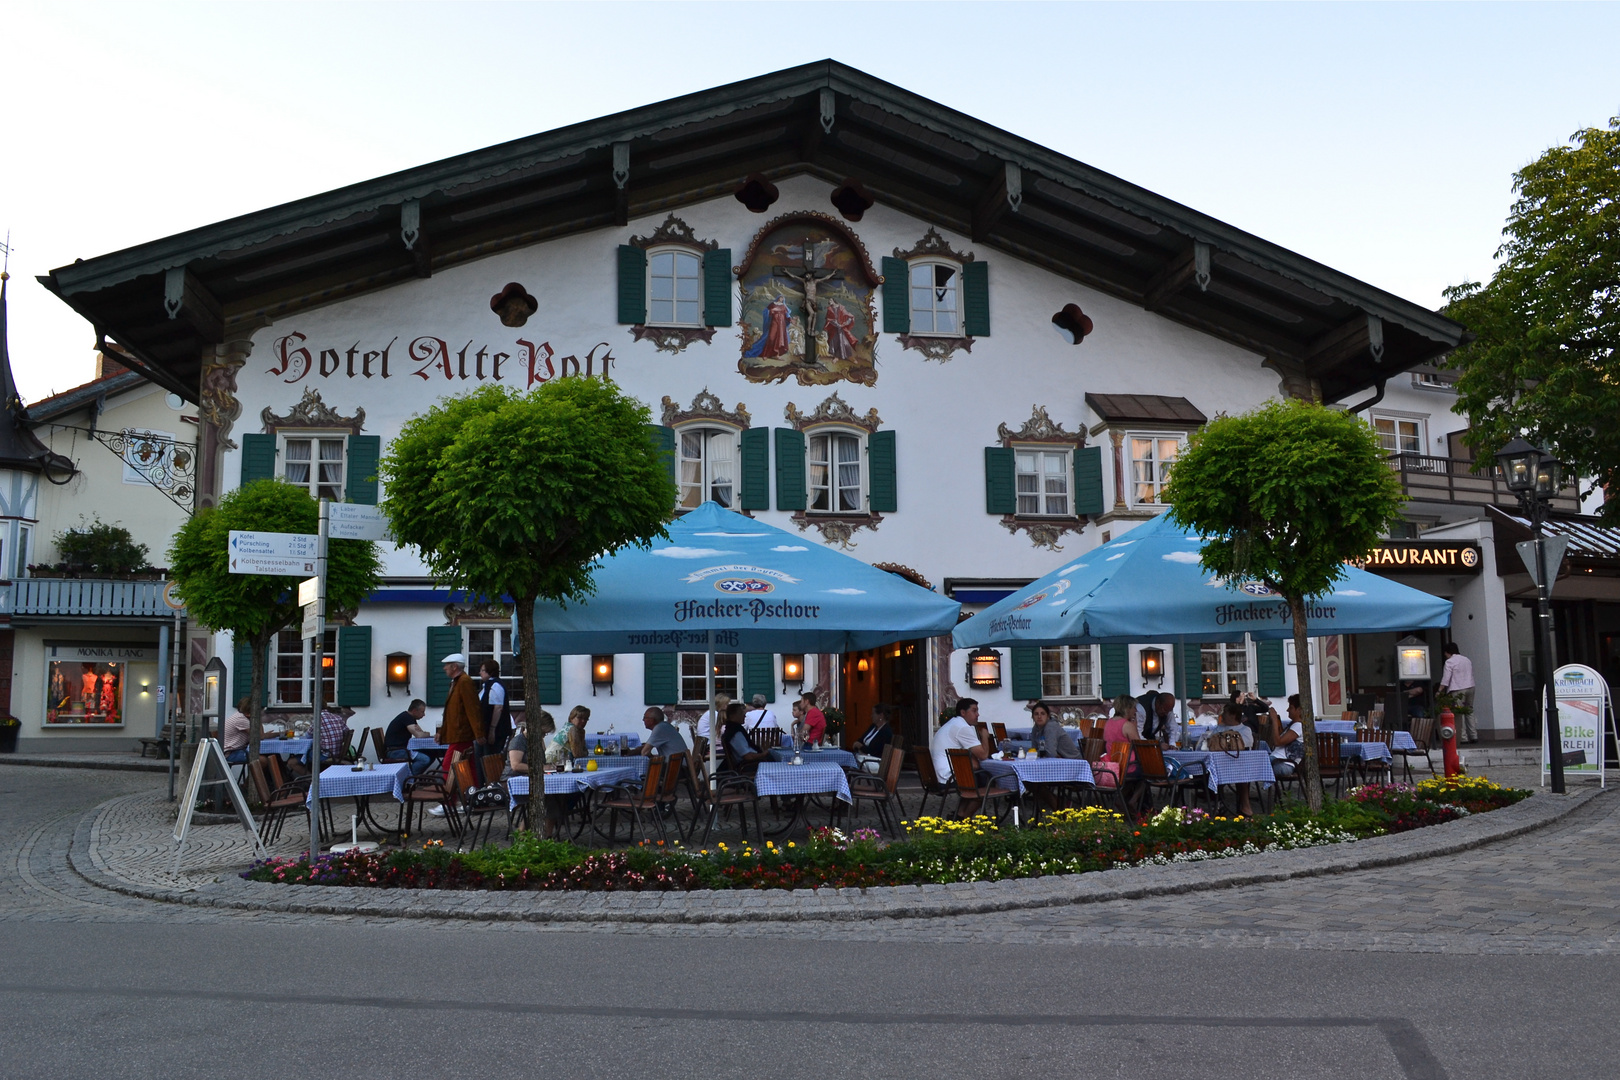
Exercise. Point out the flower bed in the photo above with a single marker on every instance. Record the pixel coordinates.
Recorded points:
(935, 850)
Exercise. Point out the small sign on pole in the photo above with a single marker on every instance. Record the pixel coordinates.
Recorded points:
(312, 621)
(308, 590)
(1555, 557)
(356, 521)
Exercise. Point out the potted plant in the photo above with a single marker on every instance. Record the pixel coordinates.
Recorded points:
(100, 550)
(835, 726)
(10, 726)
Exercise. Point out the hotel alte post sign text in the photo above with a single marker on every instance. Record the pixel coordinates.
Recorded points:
(1454, 557)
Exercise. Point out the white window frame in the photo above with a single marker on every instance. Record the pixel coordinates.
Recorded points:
(306, 680)
(699, 659)
(1161, 468)
(932, 311)
(25, 535)
(314, 438)
(1225, 650)
(706, 480)
(1418, 421)
(1066, 471)
(1065, 655)
(675, 300)
(863, 498)
(511, 673)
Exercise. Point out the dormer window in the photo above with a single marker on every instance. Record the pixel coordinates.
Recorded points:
(674, 287)
(935, 298)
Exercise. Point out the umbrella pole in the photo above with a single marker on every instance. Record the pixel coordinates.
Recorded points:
(714, 724)
(1181, 688)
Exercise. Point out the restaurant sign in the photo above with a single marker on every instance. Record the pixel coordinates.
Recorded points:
(1422, 557)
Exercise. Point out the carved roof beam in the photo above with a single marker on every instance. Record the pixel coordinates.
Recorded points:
(1191, 265)
(186, 299)
(415, 238)
(1004, 193)
(1361, 335)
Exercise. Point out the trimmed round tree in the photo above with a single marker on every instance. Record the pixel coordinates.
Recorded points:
(256, 607)
(1284, 495)
(516, 495)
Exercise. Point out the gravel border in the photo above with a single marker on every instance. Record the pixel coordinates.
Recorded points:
(905, 901)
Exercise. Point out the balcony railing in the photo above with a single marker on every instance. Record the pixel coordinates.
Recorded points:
(84, 597)
(1453, 480)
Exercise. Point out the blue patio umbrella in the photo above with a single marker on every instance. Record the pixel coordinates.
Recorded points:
(1148, 586)
(729, 583)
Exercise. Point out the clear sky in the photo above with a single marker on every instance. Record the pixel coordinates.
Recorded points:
(1377, 138)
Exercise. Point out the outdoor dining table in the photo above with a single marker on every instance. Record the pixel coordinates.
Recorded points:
(1365, 751)
(603, 739)
(1220, 767)
(800, 782)
(284, 746)
(1020, 773)
(568, 783)
(360, 784)
(427, 744)
(830, 756)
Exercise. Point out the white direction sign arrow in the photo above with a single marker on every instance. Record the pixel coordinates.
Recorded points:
(355, 521)
(273, 544)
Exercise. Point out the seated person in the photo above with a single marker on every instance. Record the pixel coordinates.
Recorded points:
(233, 735)
(705, 724)
(401, 730)
(960, 732)
(741, 753)
(869, 747)
(1287, 745)
(1047, 737)
(663, 738)
(1231, 720)
(1119, 728)
(334, 735)
(760, 717)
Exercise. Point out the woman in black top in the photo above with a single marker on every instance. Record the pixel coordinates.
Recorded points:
(869, 747)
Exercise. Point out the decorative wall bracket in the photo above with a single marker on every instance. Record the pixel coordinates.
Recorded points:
(1042, 533)
(218, 406)
(934, 246)
(312, 412)
(166, 464)
(834, 410)
(674, 231)
(838, 529)
(705, 406)
(935, 348)
(672, 339)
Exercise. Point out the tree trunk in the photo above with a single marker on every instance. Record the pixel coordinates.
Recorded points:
(530, 663)
(1307, 707)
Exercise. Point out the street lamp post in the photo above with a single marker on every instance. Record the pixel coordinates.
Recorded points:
(1533, 475)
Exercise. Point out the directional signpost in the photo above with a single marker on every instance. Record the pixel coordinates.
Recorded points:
(353, 521)
(280, 554)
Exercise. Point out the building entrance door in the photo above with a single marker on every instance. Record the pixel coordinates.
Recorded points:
(893, 675)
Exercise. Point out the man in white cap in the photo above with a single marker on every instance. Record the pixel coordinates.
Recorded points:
(463, 714)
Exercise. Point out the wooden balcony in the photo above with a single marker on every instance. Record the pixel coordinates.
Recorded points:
(1453, 480)
(51, 599)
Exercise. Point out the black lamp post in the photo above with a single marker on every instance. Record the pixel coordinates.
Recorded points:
(1533, 475)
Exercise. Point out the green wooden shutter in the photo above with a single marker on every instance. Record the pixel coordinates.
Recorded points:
(550, 665)
(354, 666)
(441, 642)
(242, 675)
(1116, 676)
(1000, 481)
(632, 284)
(364, 452)
(754, 447)
(1026, 673)
(976, 299)
(1268, 669)
(790, 491)
(884, 496)
(758, 676)
(660, 682)
(664, 439)
(717, 287)
(258, 458)
(1189, 682)
(896, 296)
(1088, 480)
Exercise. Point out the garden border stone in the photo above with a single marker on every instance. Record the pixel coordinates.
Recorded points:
(903, 901)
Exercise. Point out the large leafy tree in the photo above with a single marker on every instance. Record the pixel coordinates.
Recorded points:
(1544, 362)
(517, 495)
(1284, 495)
(255, 607)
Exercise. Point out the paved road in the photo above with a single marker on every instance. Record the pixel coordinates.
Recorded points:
(1306, 979)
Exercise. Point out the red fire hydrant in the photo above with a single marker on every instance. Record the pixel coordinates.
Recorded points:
(1448, 742)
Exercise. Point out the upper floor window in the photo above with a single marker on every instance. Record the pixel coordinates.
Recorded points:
(694, 682)
(674, 288)
(836, 480)
(1043, 478)
(1399, 435)
(293, 663)
(1152, 455)
(708, 467)
(1069, 671)
(935, 298)
(314, 463)
(1226, 669)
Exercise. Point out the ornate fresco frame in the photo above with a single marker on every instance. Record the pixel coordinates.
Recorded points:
(933, 346)
(832, 410)
(708, 407)
(1040, 429)
(674, 232)
(481, 611)
(313, 414)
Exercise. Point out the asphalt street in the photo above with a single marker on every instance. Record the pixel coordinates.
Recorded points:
(93, 983)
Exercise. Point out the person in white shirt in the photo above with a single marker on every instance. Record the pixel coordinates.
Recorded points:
(706, 721)
(759, 716)
(958, 733)
(1457, 679)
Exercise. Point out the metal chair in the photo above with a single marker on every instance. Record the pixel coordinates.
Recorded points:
(964, 772)
(880, 789)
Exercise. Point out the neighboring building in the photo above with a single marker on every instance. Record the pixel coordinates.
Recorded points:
(87, 654)
(1005, 352)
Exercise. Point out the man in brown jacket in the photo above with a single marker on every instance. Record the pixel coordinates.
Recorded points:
(463, 715)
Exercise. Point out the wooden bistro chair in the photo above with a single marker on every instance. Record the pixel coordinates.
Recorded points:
(768, 739)
(732, 791)
(421, 792)
(964, 774)
(1109, 787)
(932, 785)
(1156, 775)
(1422, 735)
(999, 730)
(278, 802)
(636, 798)
(1329, 762)
(879, 790)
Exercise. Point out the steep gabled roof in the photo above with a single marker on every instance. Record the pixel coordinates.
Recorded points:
(166, 301)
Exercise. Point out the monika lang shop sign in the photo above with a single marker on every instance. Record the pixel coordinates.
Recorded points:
(1585, 712)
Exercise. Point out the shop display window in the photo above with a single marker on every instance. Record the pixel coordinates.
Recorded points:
(85, 692)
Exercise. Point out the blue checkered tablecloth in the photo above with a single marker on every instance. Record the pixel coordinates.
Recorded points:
(567, 783)
(774, 778)
(342, 782)
(426, 744)
(1248, 767)
(1038, 771)
(1335, 727)
(284, 746)
(1365, 751)
(841, 758)
(1403, 741)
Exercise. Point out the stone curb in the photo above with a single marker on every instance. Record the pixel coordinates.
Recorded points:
(132, 765)
(905, 901)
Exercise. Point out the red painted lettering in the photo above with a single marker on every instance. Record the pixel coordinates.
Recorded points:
(431, 351)
(538, 355)
(297, 360)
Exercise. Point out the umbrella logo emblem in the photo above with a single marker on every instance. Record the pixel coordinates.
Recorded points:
(744, 585)
(1257, 588)
(1031, 602)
